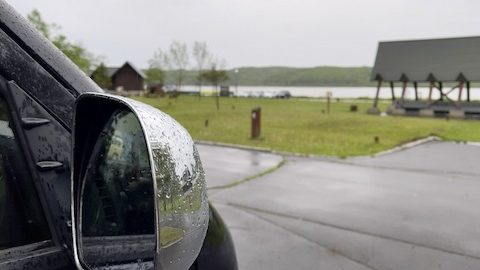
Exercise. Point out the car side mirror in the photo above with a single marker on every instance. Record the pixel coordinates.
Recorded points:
(138, 188)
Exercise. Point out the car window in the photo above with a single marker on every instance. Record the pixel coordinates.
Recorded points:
(22, 220)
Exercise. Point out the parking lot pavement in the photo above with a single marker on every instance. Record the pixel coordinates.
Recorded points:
(263, 245)
(433, 157)
(414, 209)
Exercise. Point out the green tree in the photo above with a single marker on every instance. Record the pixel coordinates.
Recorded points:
(215, 76)
(201, 55)
(177, 60)
(155, 76)
(155, 72)
(36, 19)
(100, 76)
(76, 52)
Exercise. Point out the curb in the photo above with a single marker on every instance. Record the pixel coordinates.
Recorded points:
(408, 145)
(470, 143)
(401, 147)
(265, 150)
(236, 146)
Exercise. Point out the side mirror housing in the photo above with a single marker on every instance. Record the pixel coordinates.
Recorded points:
(139, 196)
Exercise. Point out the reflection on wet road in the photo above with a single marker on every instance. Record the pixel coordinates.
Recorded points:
(225, 165)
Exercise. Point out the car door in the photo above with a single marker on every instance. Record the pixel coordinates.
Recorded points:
(37, 110)
(29, 237)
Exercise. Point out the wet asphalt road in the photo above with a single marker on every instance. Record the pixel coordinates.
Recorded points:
(414, 209)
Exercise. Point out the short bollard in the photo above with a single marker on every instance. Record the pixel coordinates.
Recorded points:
(256, 124)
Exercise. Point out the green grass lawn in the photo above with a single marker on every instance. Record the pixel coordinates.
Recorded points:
(300, 126)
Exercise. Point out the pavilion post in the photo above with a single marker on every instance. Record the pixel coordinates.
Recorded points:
(440, 88)
(404, 90)
(430, 90)
(468, 91)
(375, 102)
(392, 88)
(460, 90)
(415, 85)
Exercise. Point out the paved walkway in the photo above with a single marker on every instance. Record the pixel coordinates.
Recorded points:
(414, 209)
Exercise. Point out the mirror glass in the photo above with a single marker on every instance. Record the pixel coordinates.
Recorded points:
(117, 222)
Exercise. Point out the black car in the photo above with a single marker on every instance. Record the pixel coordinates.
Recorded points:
(94, 181)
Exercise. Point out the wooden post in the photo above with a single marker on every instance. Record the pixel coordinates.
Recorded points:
(460, 90)
(256, 122)
(375, 102)
(404, 89)
(415, 85)
(392, 88)
(468, 91)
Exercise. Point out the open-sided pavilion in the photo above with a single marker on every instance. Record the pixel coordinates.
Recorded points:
(436, 64)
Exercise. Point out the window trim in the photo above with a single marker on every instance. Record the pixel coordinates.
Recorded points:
(32, 250)
(8, 254)
(44, 258)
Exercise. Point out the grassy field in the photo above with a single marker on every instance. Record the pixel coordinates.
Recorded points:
(300, 126)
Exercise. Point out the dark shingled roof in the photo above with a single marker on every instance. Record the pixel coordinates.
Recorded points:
(140, 72)
(446, 60)
(112, 70)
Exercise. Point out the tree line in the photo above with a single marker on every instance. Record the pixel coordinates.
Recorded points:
(176, 61)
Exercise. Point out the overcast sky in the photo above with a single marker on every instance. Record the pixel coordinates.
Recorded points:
(300, 33)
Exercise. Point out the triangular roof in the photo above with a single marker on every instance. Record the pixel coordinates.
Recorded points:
(422, 60)
(140, 72)
(111, 71)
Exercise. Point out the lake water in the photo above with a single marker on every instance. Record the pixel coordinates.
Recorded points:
(337, 92)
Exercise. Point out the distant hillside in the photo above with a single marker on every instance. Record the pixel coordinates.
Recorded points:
(287, 76)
